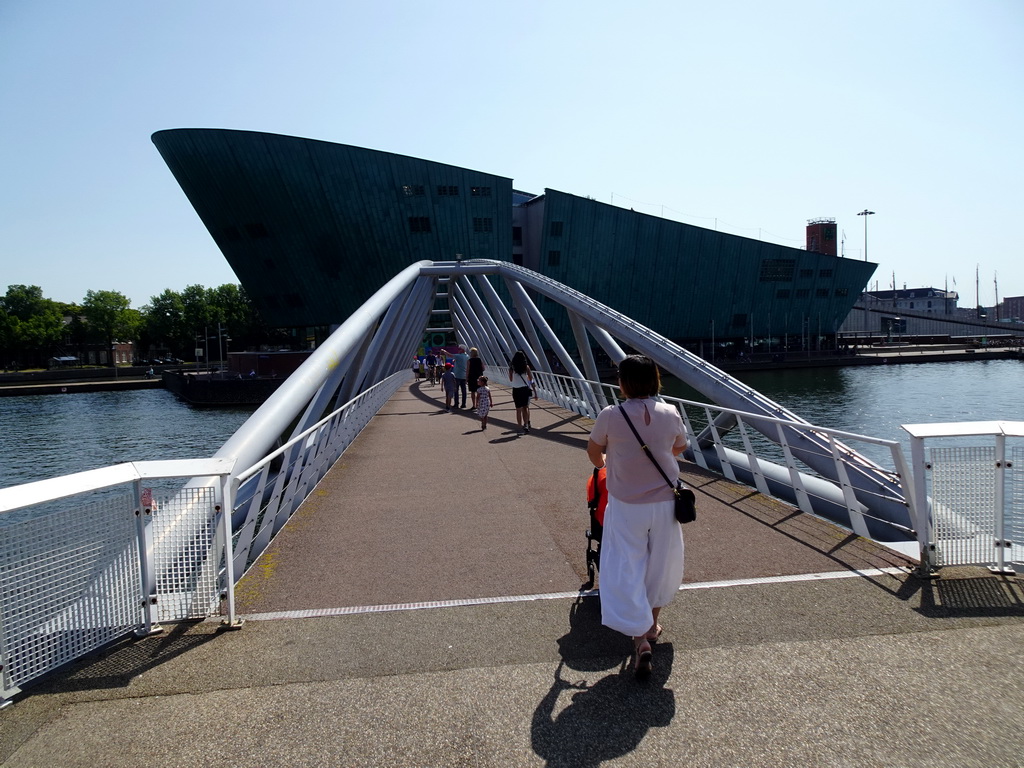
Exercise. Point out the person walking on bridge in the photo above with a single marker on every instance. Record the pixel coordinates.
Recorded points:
(642, 544)
(460, 362)
(474, 370)
(521, 376)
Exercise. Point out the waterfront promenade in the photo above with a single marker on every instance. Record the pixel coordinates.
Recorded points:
(422, 609)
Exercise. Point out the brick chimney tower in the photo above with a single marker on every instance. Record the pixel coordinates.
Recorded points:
(821, 236)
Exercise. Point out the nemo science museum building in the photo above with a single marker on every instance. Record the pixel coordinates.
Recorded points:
(312, 229)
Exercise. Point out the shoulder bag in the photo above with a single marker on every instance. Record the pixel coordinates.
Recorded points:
(686, 500)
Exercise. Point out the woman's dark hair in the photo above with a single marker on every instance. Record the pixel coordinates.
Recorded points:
(519, 362)
(639, 376)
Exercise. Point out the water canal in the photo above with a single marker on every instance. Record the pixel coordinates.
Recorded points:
(45, 436)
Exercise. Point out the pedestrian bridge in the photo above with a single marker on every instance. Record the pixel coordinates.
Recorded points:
(157, 557)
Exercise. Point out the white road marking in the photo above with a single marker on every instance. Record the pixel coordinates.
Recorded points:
(314, 613)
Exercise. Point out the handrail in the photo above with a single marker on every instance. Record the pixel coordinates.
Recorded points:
(793, 480)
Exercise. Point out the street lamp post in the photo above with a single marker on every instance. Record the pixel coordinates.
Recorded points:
(865, 213)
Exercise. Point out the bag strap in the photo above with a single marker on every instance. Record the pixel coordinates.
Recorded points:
(647, 450)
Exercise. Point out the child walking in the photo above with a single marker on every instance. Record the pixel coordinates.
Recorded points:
(448, 383)
(483, 401)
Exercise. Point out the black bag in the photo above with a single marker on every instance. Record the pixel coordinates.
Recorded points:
(686, 500)
(686, 504)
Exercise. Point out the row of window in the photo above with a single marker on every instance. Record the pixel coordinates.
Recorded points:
(421, 224)
(783, 270)
(444, 190)
(803, 293)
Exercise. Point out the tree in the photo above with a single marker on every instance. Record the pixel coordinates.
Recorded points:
(29, 323)
(109, 317)
(164, 324)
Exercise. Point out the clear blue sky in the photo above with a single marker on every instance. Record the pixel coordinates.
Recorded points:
(747, 116)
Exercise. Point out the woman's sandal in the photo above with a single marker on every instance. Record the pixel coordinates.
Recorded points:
(644, 659)
(652, 637)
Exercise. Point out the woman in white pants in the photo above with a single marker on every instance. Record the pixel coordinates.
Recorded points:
(642, 544)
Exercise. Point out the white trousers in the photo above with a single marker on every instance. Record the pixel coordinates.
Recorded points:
(641, 563)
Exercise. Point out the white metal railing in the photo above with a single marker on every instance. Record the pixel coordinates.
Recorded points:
(743, 455)
(976, 493)
(89, 558)
(92, 557)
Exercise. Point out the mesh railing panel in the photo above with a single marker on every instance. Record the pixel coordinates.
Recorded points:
(963, 504)
(1015, 504)
(185, 560)
(69, 583)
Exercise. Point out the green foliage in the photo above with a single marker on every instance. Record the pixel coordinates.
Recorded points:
(28, 322)
(33, 328)
(108, 317)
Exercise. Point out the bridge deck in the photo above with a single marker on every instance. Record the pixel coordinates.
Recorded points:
(427, 506)
(472, 542)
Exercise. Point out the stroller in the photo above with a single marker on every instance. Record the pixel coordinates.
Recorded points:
(597, 499)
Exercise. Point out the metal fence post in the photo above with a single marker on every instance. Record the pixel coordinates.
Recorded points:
(928, 568)
(147, 576)
(228, 487)
(1002, 544)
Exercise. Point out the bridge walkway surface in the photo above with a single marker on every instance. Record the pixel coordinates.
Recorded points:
(422, 609)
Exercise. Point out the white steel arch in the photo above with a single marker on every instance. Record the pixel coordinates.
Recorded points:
(379, 339)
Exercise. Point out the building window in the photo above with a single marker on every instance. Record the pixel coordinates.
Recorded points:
(842, 292)
(803, 293)
(556, 228)
(822, 293)
(412, 190)
(911, 305)
(554, 258)
(419, 224)
(517, 235)
(777, 270)
(481, 224)
(782, 293)
(825, 273)
(443, 191)
(480, 191)
(806, 273)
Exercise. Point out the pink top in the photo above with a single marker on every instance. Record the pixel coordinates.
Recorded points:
(631, 475)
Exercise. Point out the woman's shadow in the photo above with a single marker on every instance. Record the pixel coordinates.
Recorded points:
(586, 722)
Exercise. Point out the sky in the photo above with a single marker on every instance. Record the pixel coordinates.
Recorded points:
(742, 116)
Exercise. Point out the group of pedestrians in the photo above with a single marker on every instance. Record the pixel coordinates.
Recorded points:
(464, 376)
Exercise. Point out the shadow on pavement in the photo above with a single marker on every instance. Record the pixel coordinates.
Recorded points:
(587, 722)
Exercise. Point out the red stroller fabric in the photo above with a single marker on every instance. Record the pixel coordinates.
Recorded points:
(602, 494)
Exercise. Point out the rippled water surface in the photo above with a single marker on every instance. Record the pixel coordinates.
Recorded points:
(45, 436)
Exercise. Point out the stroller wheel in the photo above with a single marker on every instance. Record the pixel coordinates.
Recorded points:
(591, 573)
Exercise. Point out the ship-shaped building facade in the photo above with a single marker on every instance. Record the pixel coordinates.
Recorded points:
(312, 229)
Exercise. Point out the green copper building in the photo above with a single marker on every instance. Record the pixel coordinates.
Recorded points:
(312, 229)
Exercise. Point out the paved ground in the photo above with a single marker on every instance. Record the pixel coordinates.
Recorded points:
(422, 609)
